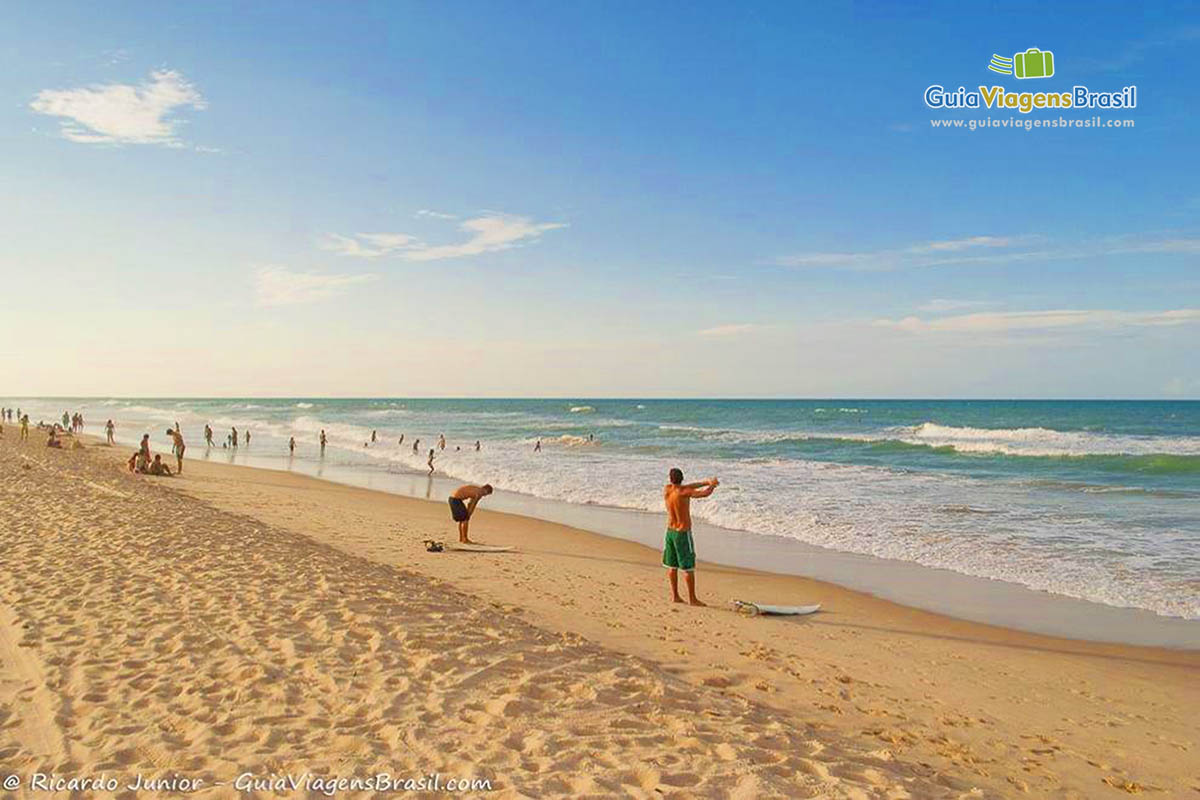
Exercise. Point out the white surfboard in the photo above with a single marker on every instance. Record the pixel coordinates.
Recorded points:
(755, 609)
(479, 548)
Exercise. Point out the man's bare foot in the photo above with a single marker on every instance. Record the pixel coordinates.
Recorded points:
(697, 602)
(676, 599)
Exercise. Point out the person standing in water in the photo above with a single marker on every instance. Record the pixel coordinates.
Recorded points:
(537, 448)
(430, 462)
(476, 445)
(679, 549)
(441, 441)
(208, 434)
(247, 438)
(461, 512)
(177, 446)
(401, 440)
(292, 446)
(233, 437)
(416, 446)
(109, 430)
(322, 441)
(372, 437)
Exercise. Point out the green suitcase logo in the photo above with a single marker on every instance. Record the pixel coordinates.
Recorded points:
(1033, 63)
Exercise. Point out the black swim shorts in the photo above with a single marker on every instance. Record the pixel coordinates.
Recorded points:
(458, 510)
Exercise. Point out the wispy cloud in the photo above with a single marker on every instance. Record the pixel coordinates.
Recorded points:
(991, 250)
(484, 234)
(425, 212)
(278, 286)
(732, 330)
(1016, 321)
(939, 305)
(954, 245)
(367, 245)
(914, 255)
(120, 113)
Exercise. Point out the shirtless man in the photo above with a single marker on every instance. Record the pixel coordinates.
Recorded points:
(461, 512)
(679, 550)
(208, 433)
(178, 447)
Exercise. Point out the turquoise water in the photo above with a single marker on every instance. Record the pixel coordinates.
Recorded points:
(1098, 500)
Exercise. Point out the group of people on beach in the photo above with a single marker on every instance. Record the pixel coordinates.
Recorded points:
(6, 414)
(679, 549)
(143, 462)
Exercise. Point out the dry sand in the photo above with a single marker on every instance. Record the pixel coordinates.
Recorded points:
(238, 620)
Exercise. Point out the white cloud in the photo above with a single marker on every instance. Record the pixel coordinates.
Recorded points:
(916, 255)
(963, 244)
(938, 305)
(122, 113)
(366, 245)
(425, 212)
(277, 286)
(728, 331)
(1016, 321)
(484, 234)
(991, 250)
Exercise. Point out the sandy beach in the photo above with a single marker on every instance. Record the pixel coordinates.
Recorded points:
(238, 621)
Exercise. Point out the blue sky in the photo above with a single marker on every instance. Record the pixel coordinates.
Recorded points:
(592, 199)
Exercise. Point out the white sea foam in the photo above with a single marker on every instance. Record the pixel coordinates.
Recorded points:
(1044, 441)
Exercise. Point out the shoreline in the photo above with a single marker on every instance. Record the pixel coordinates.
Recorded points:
(965, 705)
(958, 595)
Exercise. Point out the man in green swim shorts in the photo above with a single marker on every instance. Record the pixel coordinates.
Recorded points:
(679, 551)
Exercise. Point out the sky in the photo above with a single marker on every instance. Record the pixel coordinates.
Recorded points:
(593, 199)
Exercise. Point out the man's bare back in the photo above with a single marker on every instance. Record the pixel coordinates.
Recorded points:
(678, 500)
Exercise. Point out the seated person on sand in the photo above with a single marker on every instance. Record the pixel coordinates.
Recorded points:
(53, 441)
(461, 512)
(158, 467)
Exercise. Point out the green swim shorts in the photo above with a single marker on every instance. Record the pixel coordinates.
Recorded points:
(679, 551)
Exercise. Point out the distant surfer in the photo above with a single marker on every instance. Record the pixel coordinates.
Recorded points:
(679, 549)
(461, 511)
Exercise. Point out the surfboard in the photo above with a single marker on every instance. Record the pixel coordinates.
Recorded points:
(754, 609)
(479, 548)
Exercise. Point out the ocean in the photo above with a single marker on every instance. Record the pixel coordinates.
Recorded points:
(1096, 500)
